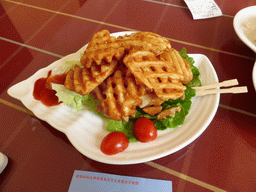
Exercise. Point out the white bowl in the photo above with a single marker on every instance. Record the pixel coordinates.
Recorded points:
(254, 75)
(245, 27)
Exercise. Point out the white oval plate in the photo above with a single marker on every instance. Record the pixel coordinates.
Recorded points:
(85, 130)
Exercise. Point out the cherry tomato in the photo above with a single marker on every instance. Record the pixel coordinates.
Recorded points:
(144, 130)
(114, 143)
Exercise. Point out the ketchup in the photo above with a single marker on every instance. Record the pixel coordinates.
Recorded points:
(43, 91)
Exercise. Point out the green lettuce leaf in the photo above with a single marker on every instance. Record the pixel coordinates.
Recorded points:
(122, 126)
(64, 95)
(66, 67)
(76, 100)
(68, 97)
(196, 79)
(91, 104)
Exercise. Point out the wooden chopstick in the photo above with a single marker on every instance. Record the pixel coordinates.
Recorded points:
(227, 83)
(209, 89)
(214, 91)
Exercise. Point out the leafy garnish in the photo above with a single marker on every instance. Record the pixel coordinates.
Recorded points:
(122, 126)
(64, 95)
(196, 74)
(66, 67)
(68, 97)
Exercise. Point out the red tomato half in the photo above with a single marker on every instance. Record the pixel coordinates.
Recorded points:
(114, 143)
(144, 130)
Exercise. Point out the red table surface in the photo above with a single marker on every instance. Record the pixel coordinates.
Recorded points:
(33, 34)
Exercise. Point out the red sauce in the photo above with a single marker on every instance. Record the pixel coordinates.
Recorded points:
(44, 93)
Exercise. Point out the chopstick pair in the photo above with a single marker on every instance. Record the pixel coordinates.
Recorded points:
(209, 89)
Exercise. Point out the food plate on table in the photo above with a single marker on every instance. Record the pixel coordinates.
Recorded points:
(86, 129)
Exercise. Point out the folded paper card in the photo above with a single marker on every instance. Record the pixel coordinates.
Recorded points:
(103, 182)
(203, 9)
